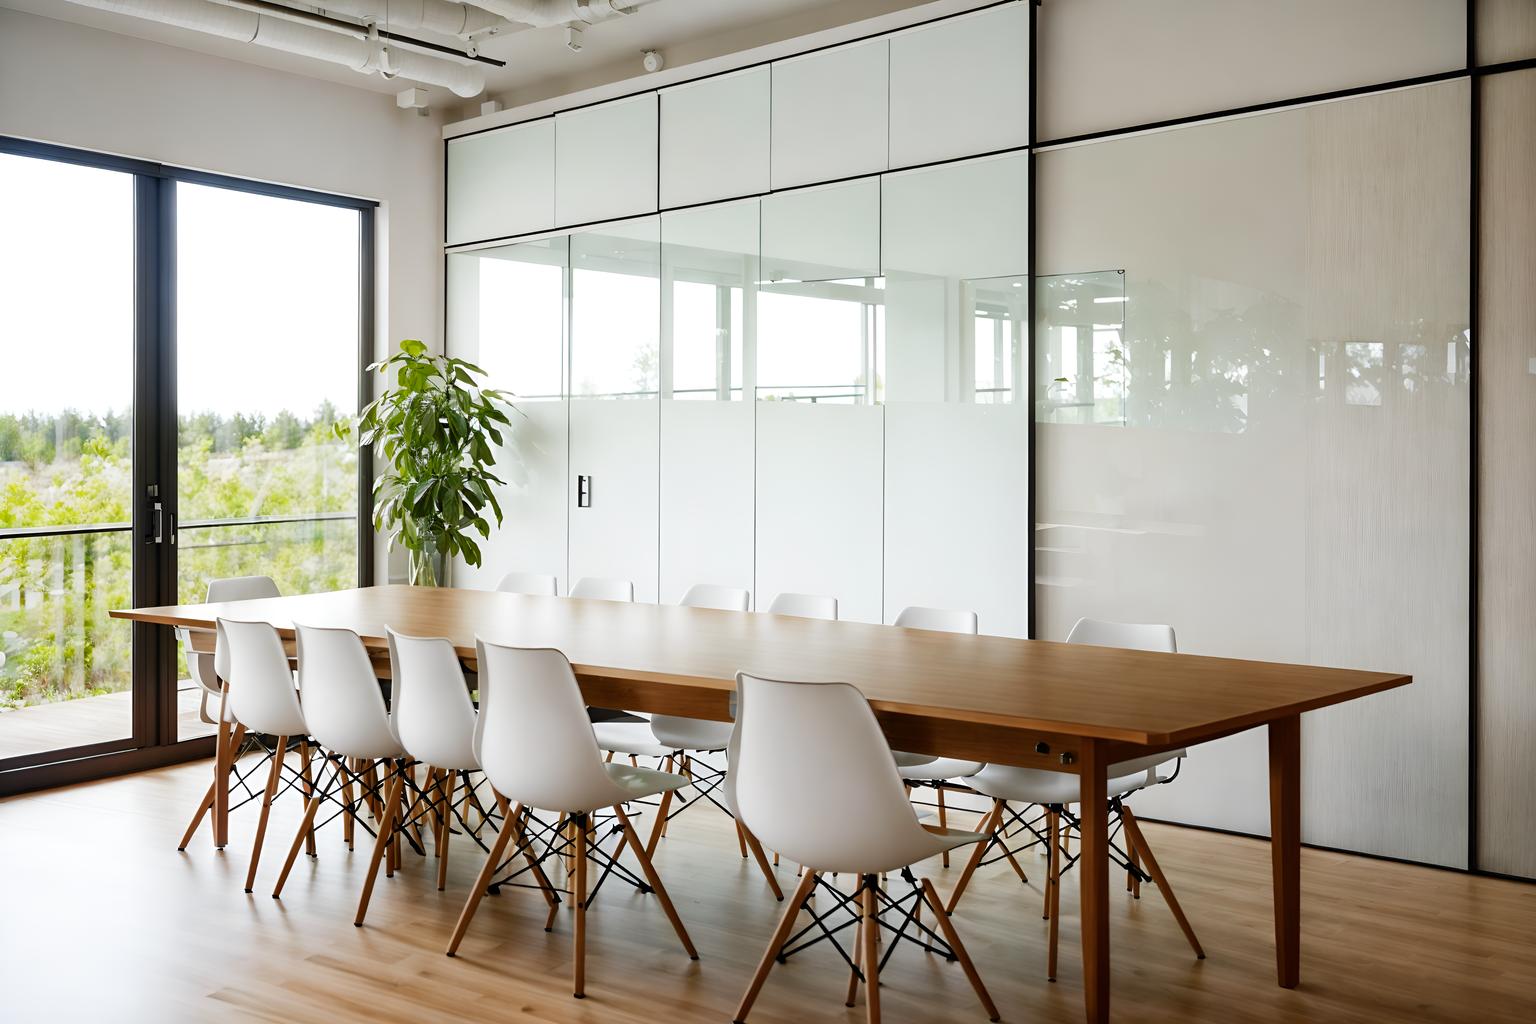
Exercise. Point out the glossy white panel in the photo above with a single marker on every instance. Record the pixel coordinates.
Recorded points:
(502, 182)
(616, 443)
(830, 114)
(1115, 63)
(706, 496)
(957, 511)
(960, 220)
(1290, 480)
(714, 138)
(605, 160)
(961, 86)
(824, 233)
(819, 501)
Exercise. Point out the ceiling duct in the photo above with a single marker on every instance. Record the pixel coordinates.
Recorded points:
(441, 17)
(544, 13)
(367, 56)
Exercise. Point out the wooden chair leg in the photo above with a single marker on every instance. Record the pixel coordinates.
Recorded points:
(482, 882)
(660, 826)
(273, 777)
(381, 845)
(309, 792)
(1052, 828)
(858, 958)
(762, 861)
(223, 756)
(989, 829)
(654, 880)
(871, 955)
(306, 831)
(952, 937)
(1139, 842)
(741, 840)
(445, 830)
(1132, 879)
(1053, 890)
(347, 766)
(579, 897)
(776, 943)
(197, 816)
(943, 821)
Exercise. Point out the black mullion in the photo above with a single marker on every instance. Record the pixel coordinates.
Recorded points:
(366, 328)
(1031, 279)
(1474, 546)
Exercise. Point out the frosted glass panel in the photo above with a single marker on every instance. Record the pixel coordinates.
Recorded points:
(1290, 478)
(960, 86)
(506, 313)
(830, 114)
(1115, 63)
(819, 504)
(714, 138)
(615, 444)
(822, 234)
(501, 183)
(709, 308)
(605, 160)
(706, 496)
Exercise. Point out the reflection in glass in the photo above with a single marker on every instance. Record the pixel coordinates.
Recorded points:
(820, 341)
(710, 262)
(616, 310)
(518, 292)
(999, 310)
(1081, 371)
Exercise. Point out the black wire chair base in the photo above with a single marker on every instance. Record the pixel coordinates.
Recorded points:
(546, 842)
(907, 910)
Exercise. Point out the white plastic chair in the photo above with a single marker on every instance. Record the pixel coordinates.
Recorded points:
(860, 821)
(599, 589)
(347, 717)
(535, 583)
(806, 606)
(200, 668)
(925, 769)
(262, 698)
(1057, 792)
(536, 746)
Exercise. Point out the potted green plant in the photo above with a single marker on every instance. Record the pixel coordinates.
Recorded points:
(434, 428)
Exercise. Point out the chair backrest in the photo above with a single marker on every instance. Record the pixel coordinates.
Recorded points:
(795, 738)
(533, 737)
(201, 665)
(261, 691)
(708, 595)
(807, 606)
(241, 588)
(432, 711)
(944, 620)
(1131, 635)
(535, 583)
(601, 589)
(343, 704)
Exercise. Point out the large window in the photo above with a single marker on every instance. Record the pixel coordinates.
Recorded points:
(180, 350)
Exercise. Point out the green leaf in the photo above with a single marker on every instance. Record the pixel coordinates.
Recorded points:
(413, 347)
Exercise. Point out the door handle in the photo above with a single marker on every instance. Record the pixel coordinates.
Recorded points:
(583, 492)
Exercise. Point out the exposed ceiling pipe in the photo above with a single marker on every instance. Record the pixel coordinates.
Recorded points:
(367, 56)
(544, 13)
(440, 16)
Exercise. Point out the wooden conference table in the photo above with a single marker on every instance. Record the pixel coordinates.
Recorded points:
(1066, 708)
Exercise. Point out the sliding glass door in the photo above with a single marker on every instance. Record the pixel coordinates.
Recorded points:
(266, 369)
(179, 352)
(66, 458)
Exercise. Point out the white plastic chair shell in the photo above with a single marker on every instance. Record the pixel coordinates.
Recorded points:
(676, 733)
(262, 696)
(535, 583)
(535, 743)
(599, 589)
(710, 595)
(342, 702)
(924, 767)
(200, 664)
(806, 606)
(430, 707)
(858, 819)
(943, 620)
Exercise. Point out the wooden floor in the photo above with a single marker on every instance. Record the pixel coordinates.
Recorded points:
(102, 920)
(84, 720)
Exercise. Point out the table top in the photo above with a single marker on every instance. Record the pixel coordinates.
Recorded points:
(1136, 697)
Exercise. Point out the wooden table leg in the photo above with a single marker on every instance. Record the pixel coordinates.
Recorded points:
(1285, 844)
(1093, 866)
(221, 765)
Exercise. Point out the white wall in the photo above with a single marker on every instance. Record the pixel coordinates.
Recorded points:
(82, 87)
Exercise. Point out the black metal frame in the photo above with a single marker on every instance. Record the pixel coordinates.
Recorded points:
(153, 741)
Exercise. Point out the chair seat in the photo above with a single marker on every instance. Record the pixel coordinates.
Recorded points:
(639, 783)
(938, 769)
(861, 859)
(629, 738)
(689, 733)
(906, 760)
(1038, 786)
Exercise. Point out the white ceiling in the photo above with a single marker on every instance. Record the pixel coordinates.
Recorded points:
(538, 63)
